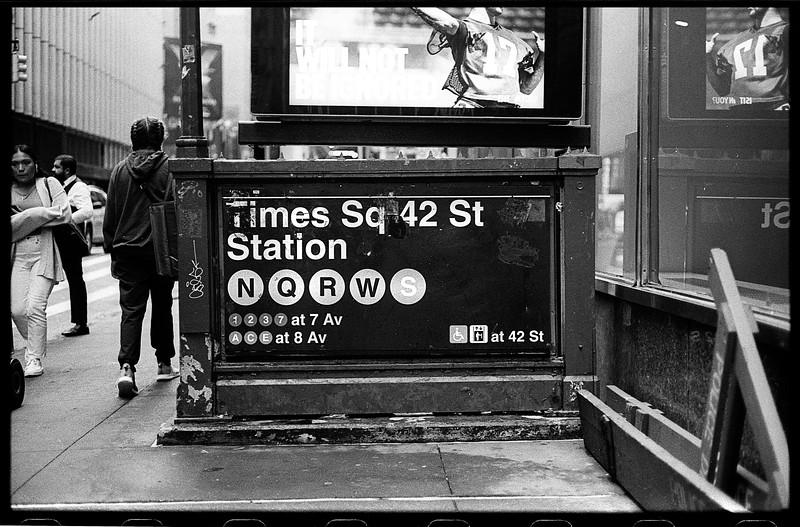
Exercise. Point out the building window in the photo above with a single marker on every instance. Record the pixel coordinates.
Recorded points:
(722, 152)
(613, 78)
(694, 146)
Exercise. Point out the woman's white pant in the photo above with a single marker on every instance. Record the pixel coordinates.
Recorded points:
(29, 293)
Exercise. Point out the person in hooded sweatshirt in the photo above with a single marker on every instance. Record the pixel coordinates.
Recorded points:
(127, 236)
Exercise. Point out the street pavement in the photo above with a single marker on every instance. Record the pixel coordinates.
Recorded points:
(76, 446)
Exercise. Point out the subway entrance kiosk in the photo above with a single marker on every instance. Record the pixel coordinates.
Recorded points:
(373, 287)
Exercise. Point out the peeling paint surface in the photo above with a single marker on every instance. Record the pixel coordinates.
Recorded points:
(192, 187)
(516, 212)
(211, 346)
(574, 388)
(189, 365)
(515, 250)
(196, 395)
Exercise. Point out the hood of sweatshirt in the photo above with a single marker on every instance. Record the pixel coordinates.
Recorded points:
(144, 163)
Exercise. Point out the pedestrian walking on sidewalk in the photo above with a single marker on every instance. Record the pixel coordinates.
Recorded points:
(69, 245)
(38, 203)
(127, 236)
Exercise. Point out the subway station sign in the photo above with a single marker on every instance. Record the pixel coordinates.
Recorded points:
(354, 269)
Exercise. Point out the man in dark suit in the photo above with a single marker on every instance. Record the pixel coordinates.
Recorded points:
(65, 170)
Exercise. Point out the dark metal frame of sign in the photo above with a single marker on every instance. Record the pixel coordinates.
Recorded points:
(562, 28)
(441, 131)
(426, 372)
(377, 268)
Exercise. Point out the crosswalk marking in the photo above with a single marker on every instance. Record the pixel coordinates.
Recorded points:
(87, 277)
(92, 261)
(96, 259)
(100, 294)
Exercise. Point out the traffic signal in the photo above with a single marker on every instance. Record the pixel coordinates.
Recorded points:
(19, 67)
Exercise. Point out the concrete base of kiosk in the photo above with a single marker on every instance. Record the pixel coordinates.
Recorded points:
(245, 356)
(340, 429)
(269, 389)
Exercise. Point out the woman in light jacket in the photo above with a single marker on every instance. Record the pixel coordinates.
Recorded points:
(38, 203)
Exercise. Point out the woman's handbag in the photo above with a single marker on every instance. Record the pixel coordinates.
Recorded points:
(68, 236)
(164, 227)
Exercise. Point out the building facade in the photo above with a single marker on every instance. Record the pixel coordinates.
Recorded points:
(91, 73)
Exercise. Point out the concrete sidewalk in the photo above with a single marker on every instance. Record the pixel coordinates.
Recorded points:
(76, 446)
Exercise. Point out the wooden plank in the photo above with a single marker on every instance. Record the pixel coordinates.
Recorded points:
(643, 417)
(731, 440)
(676, 440)
(596, 431)
(622, 403)
(765, 423)
(685, 446)
(635, 411)
(652, 476)
(761, 411)
(721, 372)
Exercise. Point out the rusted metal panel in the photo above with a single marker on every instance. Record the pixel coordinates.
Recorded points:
(322, 396)
(577, 262)
(446, 168)
(342, 429)
(399, 368)
(490, 132)
(572, 385)
(196, 390)
(196, 286)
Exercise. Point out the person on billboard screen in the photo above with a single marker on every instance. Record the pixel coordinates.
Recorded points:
(492, 64)
(753, 66)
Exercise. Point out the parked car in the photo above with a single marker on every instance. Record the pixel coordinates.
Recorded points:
(94, 228)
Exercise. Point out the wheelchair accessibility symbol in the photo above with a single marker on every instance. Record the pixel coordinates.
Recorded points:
(458, 335)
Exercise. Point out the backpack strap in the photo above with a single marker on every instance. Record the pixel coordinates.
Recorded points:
(150, 195)
(68, 186)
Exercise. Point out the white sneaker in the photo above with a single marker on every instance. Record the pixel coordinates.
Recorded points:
(126, 384)
(34, 368)
(166, 372)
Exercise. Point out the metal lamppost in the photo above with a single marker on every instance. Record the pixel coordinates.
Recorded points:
(192, 142)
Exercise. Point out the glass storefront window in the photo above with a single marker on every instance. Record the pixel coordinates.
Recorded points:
(613, 78)
(723, 161)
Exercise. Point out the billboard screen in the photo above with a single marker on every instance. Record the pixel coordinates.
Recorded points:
(418, 62)
(356, 57)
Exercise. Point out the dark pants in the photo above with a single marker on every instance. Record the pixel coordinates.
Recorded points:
(73, 269)
(133, 301)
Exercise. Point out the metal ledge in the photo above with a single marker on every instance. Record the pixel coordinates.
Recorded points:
(390, 394)
(771, 330)
(489, 132)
